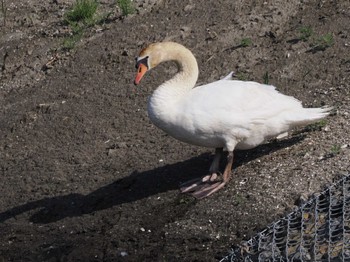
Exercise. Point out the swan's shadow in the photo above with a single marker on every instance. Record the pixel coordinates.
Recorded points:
(134, 187)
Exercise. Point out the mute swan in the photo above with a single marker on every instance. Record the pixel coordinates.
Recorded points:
(225, 115)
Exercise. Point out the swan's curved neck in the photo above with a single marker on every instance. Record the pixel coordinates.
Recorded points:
(187, 74)
(162, 102)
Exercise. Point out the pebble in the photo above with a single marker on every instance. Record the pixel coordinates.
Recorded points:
(185, 28)
(112, 152)
(188, 8)
(121, 145)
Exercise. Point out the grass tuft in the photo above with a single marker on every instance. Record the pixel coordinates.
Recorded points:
(69, 42)
(83, 11)
(126, 6)
(266, 78)
(335, 149)
(245, 42)
(305, 33)
(242, 76)
(317, 126)
(325, 41)
(81, 15)
(239, 199)
(316, 43)
(3, 11)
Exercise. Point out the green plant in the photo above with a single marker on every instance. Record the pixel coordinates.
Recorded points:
(70, 42)
(335, 149)
(83, 10)
(317, 126)
(266, 78)
(77, 33)
(317, 43)
(305, 33)
(102, 18)
(241, 76)
(126, 6)
(185, 200)
(3, 11)
(325, 41)
(239, 199)
(81, 15)
(245, 42)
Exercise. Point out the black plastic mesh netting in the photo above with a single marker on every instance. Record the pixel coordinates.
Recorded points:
(318, 231)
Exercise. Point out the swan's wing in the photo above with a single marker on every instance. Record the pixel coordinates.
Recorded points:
(238, 103)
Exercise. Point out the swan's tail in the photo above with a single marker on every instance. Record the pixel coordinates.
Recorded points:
(307, 116)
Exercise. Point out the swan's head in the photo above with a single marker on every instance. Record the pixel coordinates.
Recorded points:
(148, 58)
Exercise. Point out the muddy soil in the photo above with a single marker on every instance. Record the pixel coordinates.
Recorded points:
(84, 174)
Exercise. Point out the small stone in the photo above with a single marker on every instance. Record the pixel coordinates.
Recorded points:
(307, 155)
(188, 8)
(242, 182)
(122, 145)
(321, 157)
(112, 152)
(185, 28)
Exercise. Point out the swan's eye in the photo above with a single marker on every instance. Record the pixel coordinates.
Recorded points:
(143, 61)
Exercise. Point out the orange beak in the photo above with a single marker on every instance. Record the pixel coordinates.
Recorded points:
(140, 72)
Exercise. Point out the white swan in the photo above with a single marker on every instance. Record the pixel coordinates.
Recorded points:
(224, 115)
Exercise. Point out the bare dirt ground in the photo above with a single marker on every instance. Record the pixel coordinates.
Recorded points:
(84, 174)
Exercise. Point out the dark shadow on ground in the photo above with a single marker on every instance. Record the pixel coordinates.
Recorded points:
(134, 187)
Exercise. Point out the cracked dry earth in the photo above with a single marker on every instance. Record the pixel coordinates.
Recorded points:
(84, 174)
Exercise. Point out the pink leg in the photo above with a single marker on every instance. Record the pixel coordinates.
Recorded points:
(209, 184)
(192, 185)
